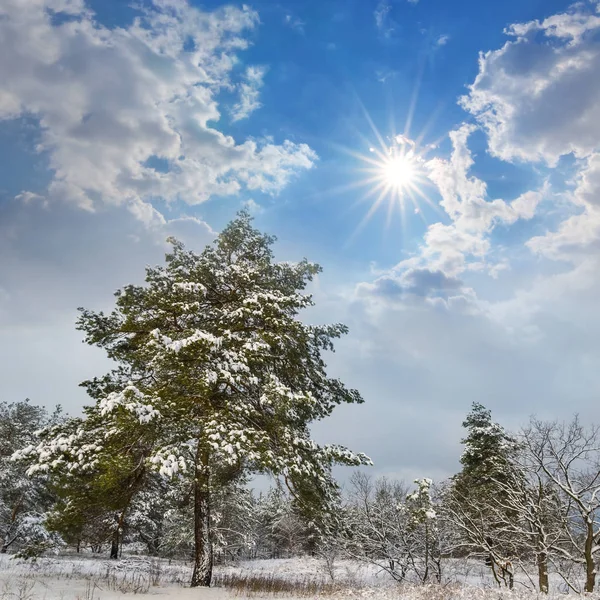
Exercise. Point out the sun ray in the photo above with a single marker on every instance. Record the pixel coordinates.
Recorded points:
(395, 175)
(414, 97)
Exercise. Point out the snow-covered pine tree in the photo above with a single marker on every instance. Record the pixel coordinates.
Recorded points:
(98, 463)
(214, 369)
(488, 450)
(23, 502)
(474, 495)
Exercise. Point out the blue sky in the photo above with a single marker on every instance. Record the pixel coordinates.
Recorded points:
(121, 124)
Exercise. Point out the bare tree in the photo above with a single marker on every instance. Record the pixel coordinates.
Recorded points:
(476, 530)
(568, 455)
(529, 511)
(386, 526)
(376, 530)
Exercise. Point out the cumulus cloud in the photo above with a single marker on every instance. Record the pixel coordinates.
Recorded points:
(538, 97)
(416, 282)
(463, 244)
(110, 101)
(579, 234)
(464, 197)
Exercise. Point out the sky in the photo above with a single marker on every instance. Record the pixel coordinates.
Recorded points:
(440, 160)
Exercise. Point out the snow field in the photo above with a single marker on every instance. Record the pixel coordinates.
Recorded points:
(89, 578)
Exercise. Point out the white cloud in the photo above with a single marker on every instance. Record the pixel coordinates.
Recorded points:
(295, 23)
(579, 234)
(27, 197)
(463, 244)
(249, 93)
(442, 40)
(109, 101)
(538, 97)
(253, 206)
(464, 196)
(383, 19)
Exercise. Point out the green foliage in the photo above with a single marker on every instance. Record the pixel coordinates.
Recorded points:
(488, 454)
(477, 500)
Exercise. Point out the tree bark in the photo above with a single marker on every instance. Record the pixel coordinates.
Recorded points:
(114, 543)
(590, 566)
(542, 564)
(203, 551)
(117, 535)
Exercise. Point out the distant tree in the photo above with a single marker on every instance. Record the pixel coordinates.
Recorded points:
(424, 540)
(23, 501)
(215, 372)
(376, 525)
(527, 509)
(472, 500)
(566, 457)
(488, 453)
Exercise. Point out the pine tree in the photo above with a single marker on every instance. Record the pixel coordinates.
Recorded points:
(476, 497)
(488, 451)
(215, 376)
(23, 502)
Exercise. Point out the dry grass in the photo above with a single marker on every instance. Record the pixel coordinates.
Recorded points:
(269, 584)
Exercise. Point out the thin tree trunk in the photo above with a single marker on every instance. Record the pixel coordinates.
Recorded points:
(114, 543)
(542, 563)
(203, 551)
(590, 566)
(117, 535)
(426, 573)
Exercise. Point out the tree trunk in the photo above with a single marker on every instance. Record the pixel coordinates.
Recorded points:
(116, 537)
(426, 572)
(590, 566)
(203, 551)
(114, 544)
(542, 564)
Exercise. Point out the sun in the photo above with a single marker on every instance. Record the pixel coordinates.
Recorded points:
(399, 172)
(395, 177)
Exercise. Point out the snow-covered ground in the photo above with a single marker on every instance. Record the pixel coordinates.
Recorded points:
(89, 578)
